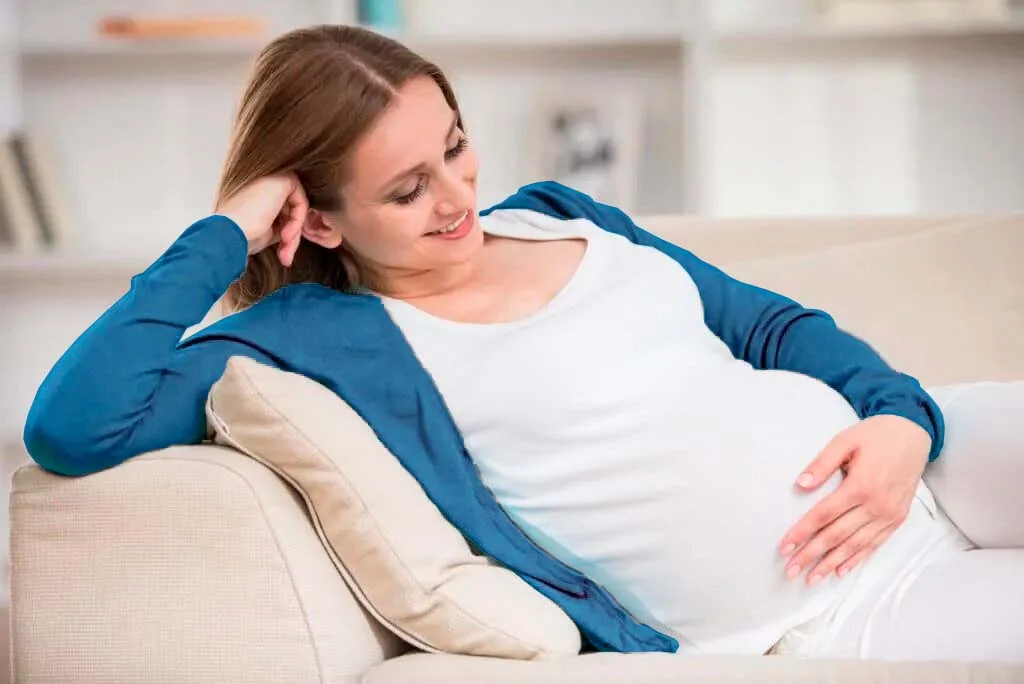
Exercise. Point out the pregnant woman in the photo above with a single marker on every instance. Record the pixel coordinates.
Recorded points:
(690, 463)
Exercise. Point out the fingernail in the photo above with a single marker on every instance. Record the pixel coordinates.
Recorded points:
(841, 572)
(805, 480)
(814, 580)
(788, 549)
(792, 571)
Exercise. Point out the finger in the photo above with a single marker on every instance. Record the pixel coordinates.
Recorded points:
(855, 560)
(293, 213)
(828, 538)
(849, 548)
(295, 210)
(827, 462)
(824, 513)
(291, 237)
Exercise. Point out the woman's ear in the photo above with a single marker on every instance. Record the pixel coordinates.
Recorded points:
(321, 229)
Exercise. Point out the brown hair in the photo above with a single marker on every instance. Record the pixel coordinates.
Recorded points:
(312, 94)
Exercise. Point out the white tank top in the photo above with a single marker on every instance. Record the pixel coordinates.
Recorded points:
(622, 435)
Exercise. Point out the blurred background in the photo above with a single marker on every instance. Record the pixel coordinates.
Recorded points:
(115, 114)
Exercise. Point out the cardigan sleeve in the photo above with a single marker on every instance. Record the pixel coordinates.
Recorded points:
(126, 386)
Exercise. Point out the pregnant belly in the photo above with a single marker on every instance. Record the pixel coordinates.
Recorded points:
(733, 500)
(681, 520)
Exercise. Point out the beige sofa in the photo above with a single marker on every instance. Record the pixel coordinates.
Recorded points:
(197, 564)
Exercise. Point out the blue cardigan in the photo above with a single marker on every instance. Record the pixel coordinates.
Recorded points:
(129, 385)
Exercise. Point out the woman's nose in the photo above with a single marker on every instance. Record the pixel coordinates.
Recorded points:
(456, 194)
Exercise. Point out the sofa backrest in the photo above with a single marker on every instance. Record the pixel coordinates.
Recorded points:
(942, 298)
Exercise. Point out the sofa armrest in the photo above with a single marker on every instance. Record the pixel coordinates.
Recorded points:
(190, 564)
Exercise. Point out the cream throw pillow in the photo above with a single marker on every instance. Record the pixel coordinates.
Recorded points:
(407, 565)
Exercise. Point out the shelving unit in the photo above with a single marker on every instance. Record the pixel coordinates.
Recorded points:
(815, 32)
(21, 270)
(766, 114)
(246, 48)
(71, 69)
(440, 43)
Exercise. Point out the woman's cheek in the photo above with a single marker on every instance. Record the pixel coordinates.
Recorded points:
(410, 225)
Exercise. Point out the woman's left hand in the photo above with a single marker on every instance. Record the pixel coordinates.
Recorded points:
(884, 458)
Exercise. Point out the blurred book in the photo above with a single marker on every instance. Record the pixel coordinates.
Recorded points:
(33, 212)
(200, 26)
(44, 189)
(19, 226)
(381, 15)
(902, 12)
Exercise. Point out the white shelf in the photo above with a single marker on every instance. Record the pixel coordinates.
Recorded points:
(439, 43)
(667, 37)
(100, 47)
(28, 268)
(249, 47)
(822, 32)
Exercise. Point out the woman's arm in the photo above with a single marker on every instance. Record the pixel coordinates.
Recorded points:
(761, 327)
(124, 387)
(771, 331)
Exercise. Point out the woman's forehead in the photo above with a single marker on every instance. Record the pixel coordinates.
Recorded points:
(409, 132)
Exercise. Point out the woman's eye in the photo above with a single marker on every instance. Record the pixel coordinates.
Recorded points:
(449, 154)
(455, 151)
(411, 197)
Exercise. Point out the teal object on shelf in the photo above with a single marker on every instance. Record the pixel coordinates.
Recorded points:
(384, 14)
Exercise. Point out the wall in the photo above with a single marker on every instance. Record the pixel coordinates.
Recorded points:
(866, 126)
(10, 90)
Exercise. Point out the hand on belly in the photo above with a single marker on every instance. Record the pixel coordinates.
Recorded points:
(690, 536)
(680, 517)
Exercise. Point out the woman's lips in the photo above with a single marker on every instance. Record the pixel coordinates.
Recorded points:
(461, 231)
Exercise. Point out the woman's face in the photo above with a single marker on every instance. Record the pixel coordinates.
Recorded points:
(410, 207)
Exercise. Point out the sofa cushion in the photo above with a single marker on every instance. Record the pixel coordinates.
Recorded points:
(665, 668)
(944, 305)
(405, 562)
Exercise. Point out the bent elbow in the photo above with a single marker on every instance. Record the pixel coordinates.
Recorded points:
(60, 450)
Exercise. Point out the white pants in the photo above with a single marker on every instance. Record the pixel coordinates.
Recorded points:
(949, 584)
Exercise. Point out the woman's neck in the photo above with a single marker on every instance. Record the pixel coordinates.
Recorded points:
(428, 284)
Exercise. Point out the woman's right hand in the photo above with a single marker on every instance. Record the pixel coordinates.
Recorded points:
(270, 210)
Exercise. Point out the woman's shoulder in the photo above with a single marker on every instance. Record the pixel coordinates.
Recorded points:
(550, 205)
(550, 198)
(296, 315)
(530, 224)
